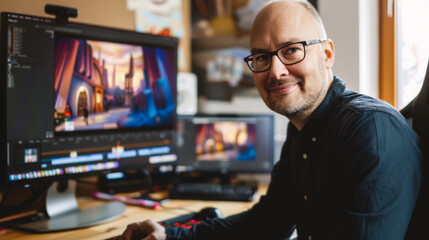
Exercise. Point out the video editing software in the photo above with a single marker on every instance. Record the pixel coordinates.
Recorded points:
(80, 98)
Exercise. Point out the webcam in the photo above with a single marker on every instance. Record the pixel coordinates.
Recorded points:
(62, 13)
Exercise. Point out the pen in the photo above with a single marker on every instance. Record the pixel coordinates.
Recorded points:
(140, 202)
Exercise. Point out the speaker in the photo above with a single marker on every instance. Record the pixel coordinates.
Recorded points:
(187, 96)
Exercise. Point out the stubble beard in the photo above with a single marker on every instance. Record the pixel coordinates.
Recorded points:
(291, 107)
(303, 103)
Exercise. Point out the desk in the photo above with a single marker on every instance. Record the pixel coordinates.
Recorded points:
(134, 214)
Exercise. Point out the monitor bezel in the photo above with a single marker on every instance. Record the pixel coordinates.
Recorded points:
(82, 31)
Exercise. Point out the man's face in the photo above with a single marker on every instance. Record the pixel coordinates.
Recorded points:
(294, 89)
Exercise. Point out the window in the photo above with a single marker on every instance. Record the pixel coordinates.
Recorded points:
(404, 49)
(413, 48)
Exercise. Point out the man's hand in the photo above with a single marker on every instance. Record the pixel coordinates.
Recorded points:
(146, 230)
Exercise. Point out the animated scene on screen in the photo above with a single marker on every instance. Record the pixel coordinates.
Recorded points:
(105, 85)
(225, 141)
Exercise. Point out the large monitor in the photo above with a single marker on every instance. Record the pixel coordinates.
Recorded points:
(226, 144)
(82, 100)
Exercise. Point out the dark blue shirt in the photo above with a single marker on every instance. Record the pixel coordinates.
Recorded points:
(352, 172)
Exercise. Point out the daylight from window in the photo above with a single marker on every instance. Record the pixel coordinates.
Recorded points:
(413, 48)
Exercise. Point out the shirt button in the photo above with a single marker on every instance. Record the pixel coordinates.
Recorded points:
(314, 139)
(304, 156)
(305, 197)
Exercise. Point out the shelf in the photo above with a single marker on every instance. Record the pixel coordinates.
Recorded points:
(218, 42)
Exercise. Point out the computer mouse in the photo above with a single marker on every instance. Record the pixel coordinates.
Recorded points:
(208, 212)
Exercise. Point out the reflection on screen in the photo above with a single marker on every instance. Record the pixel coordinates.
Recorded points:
(225, 141)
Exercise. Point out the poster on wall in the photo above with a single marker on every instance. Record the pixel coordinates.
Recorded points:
(159, 17)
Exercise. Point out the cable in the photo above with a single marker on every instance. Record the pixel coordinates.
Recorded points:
(6, 210)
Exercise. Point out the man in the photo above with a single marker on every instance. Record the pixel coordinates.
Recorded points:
(85, 115)
(350, 167)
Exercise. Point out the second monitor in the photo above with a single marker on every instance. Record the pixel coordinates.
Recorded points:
(226, 143)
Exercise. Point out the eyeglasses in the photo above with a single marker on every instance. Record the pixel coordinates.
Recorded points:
(289, 54)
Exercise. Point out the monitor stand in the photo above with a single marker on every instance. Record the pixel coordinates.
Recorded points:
(65, 214)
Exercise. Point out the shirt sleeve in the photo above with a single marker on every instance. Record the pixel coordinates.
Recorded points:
(271, 218)
(382, 164)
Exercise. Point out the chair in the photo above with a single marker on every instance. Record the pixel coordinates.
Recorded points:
(417, 114)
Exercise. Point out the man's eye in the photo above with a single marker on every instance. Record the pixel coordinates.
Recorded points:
(261, 57)
(292, 50)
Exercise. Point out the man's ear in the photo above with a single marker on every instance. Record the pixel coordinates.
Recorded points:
(329, 53)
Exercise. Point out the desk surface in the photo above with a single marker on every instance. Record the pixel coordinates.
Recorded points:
(134, 214)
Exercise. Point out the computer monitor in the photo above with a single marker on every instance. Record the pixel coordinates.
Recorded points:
(82, 100)
(226, 144)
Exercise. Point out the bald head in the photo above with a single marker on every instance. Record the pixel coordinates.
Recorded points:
(297, 12)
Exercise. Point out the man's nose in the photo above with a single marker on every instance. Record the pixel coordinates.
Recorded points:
(278, 69)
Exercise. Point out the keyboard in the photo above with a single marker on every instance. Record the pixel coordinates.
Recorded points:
(216, 192)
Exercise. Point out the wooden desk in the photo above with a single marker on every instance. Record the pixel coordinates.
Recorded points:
(134, 214)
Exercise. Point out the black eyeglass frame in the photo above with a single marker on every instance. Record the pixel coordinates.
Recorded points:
(304, 43)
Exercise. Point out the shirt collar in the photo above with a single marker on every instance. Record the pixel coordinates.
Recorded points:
(320, 118)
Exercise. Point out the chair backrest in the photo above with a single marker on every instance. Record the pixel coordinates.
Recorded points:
(417, 114)
(417, 111)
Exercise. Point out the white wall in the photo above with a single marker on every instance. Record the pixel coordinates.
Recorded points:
(369, 29)
(353, 26)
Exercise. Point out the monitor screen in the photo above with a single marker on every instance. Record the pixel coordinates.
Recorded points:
(226, 143)
(81, 100)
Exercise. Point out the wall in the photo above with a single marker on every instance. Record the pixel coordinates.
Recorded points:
(353, 26)
(109, 13)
